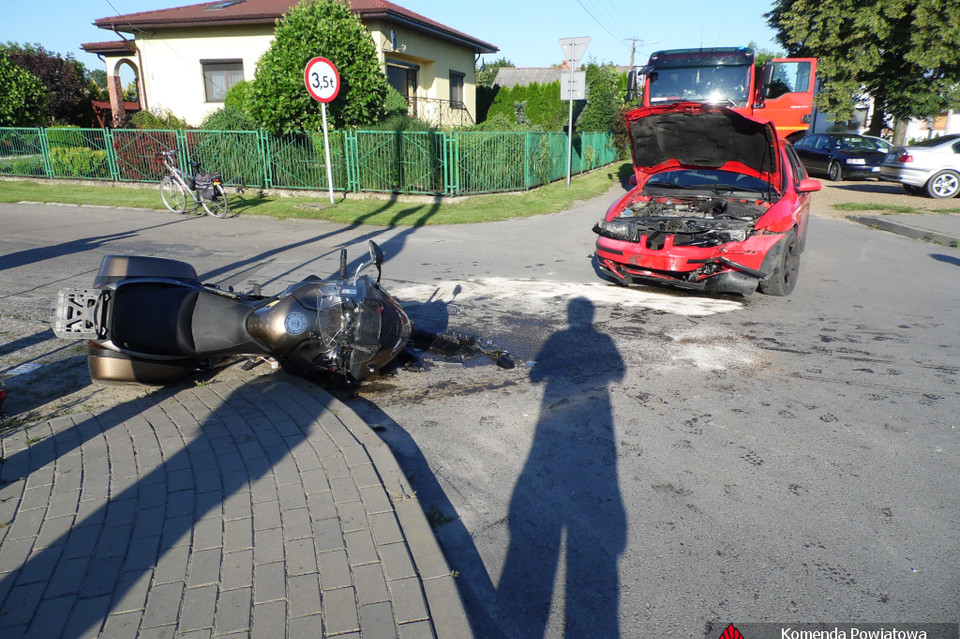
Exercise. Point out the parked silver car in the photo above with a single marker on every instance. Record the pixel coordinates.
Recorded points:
(931, 166)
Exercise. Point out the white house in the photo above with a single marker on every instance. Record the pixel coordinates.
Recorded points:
(186, 58)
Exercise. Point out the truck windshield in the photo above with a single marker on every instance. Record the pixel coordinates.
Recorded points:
(724, 85)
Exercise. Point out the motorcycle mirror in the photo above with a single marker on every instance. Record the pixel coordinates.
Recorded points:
(376, 254)
(343, 264)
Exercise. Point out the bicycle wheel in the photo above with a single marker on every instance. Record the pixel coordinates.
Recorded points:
(174, 197)
(218, 206)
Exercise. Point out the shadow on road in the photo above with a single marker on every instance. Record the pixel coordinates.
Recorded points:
(566, 506)
(947, 259)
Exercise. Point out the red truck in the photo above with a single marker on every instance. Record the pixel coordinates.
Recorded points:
(781, 93)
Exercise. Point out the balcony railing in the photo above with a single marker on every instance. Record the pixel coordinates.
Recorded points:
(440, 113)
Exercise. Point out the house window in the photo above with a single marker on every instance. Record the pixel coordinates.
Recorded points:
(219, 76)
(403, 77)
(456, 90)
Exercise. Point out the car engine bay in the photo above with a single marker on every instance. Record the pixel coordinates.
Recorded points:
(692, 221)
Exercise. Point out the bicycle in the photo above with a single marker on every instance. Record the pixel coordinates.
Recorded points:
(206, 189)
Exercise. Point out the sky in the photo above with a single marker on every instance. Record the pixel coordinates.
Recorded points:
(526, 32)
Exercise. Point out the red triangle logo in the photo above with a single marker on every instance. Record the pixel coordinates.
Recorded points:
(731, 633)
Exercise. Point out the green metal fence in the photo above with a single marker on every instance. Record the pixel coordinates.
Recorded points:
(455, 163)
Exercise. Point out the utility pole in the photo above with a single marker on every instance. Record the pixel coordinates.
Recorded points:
(633, 46)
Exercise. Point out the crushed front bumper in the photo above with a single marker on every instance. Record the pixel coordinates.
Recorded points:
(731, 268)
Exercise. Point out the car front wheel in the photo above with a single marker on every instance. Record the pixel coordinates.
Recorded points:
(945, 184)
(785, 268)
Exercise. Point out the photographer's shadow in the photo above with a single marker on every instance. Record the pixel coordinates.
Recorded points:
(567, 502)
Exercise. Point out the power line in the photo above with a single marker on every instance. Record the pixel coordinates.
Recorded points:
(595, 19)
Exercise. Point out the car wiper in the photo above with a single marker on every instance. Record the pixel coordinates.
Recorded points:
(666, 185)
(726, 188)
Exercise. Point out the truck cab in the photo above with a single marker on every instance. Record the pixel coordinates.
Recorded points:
(782, 92)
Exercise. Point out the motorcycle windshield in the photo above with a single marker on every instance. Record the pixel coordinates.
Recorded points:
(348, 320)
(367, 336)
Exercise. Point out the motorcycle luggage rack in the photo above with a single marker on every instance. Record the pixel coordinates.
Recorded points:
(76, 313)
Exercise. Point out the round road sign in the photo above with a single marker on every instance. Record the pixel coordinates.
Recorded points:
(322, 79)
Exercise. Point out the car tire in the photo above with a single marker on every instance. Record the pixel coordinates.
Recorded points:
(834, 172)
(910, 189)
(786, 267)
(943, 185)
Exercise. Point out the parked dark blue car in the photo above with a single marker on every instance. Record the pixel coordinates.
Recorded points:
(841, 155)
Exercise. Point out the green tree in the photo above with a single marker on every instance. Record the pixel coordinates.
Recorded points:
(97, 84)
(23, 98)
(905, 54)
(278, 99)
(486, 73)
(604, 99)
(62, 77)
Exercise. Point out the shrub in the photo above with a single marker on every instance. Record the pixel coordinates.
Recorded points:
(157, 119)
(79, 162)
(277, 98)
(236, 97)
(402, 122)
(229, 118)
(394, 104)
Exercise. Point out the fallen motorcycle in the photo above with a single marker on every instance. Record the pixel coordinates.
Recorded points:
(151, 320)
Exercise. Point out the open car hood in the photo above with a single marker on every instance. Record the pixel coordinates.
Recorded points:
(692, 134)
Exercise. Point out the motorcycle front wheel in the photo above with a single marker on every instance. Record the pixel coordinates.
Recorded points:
(217, 207)
(174, 197)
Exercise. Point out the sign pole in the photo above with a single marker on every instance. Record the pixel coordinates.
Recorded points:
(323, 85)
(570, 131)
(573, 50)
(326, 149)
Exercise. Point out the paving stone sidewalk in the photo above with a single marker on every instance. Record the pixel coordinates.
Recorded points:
(231, 508)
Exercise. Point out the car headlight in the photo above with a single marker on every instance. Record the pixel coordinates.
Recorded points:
(616, 230)
(856, 161)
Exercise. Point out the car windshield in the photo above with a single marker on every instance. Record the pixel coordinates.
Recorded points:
(718, 85)
(854, 143)
(706, 179)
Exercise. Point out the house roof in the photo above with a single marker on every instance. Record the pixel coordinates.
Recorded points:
(509, 77)
(261, 12)
(113, 47)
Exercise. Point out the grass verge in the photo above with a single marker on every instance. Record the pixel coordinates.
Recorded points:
(388, 211)
(891, 209)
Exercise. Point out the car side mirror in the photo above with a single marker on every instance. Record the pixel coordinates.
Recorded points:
(808, 185)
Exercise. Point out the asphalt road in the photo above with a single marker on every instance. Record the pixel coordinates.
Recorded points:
(660, 463)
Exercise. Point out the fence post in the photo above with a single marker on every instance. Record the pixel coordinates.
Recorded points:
(45, 151)
(455, 188)
(351, 159)
(111, 155)
(527, 176)
(266, 174)
(182, 149)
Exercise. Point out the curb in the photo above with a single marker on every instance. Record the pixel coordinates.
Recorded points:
(906, 230)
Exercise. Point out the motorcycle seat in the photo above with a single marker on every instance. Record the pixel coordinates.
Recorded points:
(154, 318)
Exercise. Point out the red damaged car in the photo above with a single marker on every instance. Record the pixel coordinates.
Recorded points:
(720, 205)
